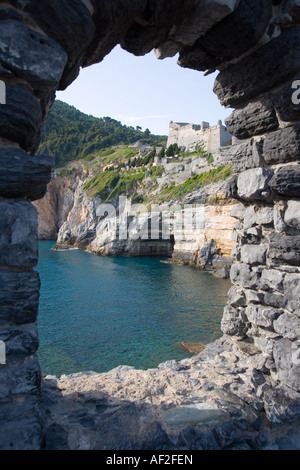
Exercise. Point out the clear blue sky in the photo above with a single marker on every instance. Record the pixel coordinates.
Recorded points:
(145, 91)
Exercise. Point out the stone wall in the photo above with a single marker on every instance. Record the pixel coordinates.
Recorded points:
(255, 45)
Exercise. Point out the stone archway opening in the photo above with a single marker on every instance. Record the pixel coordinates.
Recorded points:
(41, 49)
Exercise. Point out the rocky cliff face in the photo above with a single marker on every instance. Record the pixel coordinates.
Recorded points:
(69, 214)
(53, 208)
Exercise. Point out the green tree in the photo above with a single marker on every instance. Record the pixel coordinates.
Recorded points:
(162, 152)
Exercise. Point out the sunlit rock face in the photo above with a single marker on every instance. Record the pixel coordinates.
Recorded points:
(256, 49)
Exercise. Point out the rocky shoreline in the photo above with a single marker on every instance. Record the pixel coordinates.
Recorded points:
(216, 400)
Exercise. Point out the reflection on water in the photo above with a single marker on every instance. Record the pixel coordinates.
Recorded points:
(100, 312)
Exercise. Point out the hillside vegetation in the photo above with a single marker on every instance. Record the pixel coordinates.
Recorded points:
(69, 134)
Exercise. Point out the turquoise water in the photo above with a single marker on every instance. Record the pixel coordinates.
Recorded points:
(100, 312)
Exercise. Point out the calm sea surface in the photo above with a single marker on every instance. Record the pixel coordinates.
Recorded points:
(100, 312)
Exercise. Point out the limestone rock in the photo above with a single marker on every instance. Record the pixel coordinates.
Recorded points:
(193, 348)
(272, 279)
(238, 211)
(249, 217)
(222, 273)
(236, 297)
(54, 208)
(254, 254)
(292, 293)
(292, 214)
(287, 362)
(232, 324)
(264, 216)
(262, 316)
(243, 275)
(288, 326)
(253, 183)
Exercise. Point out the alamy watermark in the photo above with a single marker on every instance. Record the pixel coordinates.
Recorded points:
(2, 353)
(138, 221)
(296, 353)
(2, 92)
(296, 94)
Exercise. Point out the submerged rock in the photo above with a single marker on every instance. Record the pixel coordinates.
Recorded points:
(193, 348)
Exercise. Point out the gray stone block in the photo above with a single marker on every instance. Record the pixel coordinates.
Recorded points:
(254, 254)
(282, 146)
(272, 279)
(202, 18)
(20, 377)
(260, 72)
(249, 217)
(232, 324)
(238, 211)
(244, 275)
(70, 24)
(292, 214)
(286, 110)
(252, 184)
(19, 297)
(278, 218)
(31, 55)
(20, 424)
(246, 155)
(288, 326)
(20, 340)
(18, 234)
(254, 119)
(236, 297)
(286, 356)
(292, 293)
(254, 297)
(20, 117)
(286, 181)
(113, 20)
(22, 175)
(262, 316)
(284, 249)
(248, 20)
(264, 216)
(274, 300)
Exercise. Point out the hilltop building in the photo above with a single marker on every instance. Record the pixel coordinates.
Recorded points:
(190, 135)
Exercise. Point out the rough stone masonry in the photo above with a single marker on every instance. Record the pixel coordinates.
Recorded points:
(255, 46)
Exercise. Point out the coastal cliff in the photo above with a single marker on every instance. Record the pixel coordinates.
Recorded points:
(71, 213)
